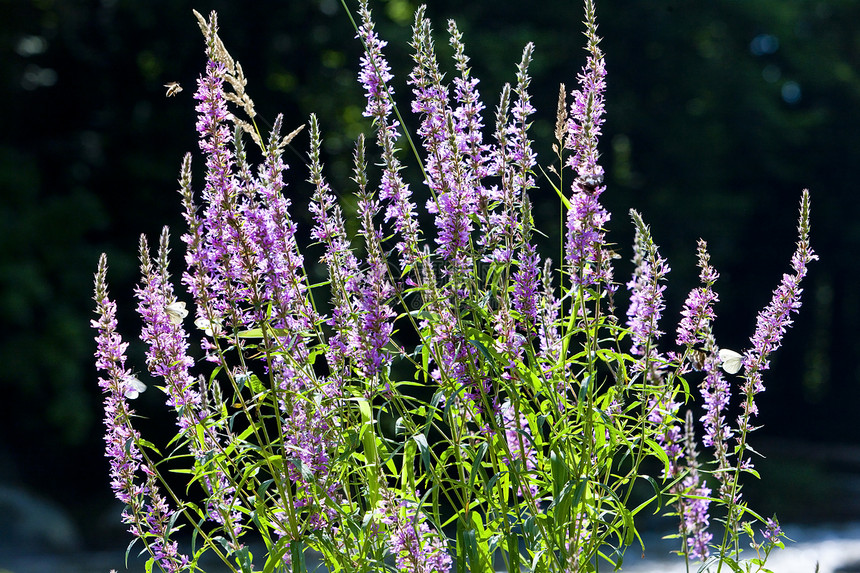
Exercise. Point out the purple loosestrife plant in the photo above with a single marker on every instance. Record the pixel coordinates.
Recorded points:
(586, 252)
(168, 360)
(374, 77)
(146, 511)
(440, 401)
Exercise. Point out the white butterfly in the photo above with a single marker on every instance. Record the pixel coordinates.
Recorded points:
(133, 387)
(210, 327)
(176, 311)
(732, 361)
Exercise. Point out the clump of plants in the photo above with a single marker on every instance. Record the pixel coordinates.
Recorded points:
(449, 398)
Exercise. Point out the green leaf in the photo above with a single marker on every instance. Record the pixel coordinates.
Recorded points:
(558, 192)
(476, 465)
(298, 556)
(275, 556)
(424, 448)
(470, 548)
(407, 479)
(368, 441)
(584, 389)
(483, 350)
(629, 525)
(141, 443)
(660, 453)
(252, 333)
(257, 386)
(244, 559)
(560, 473)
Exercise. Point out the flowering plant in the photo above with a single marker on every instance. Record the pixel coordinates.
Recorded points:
(460, 403)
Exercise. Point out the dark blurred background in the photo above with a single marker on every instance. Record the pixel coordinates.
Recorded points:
(719, 114)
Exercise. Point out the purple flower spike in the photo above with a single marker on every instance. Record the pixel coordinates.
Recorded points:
(773, 321)
(698, 313)
(167, 358)
(374, 75)
(584, 242)
(646, 291)
(525, 289)
(415, 546)
(453, 149)
(146, 511)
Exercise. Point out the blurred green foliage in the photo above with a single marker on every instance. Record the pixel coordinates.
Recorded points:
(718, 114)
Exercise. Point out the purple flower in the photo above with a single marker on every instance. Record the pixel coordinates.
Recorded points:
(771, 325)
(773, 321)
(375, 328)
(415, 546)
(338, 258)
(309, 436)
(772, 531)
(693, 510)
(505, 229)
(646, 292)
(468, 122)
(211, 239)
(242, 252)
(519, 443)
(584, 242)
(525, 289)
(508, 342)
(272, 264)
(167, 358)
(698, 313)
(548, 335)
(146, 513)
(451, 178)
(695, 332)
(362, 314)
(167, 349)
(374, 76)
(577, 544)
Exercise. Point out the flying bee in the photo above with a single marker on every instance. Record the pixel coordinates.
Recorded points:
(173, 88)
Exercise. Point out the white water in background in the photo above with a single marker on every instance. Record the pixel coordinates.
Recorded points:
(835, 548)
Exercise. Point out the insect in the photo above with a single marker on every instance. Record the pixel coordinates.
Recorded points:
(732, 361)
(176, 311)
(211, 328)
(697, 358)
(133, 387)
(173, 88)
(590, 181)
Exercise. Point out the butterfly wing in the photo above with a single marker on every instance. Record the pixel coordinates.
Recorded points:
(732, 361)
(133, 388)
